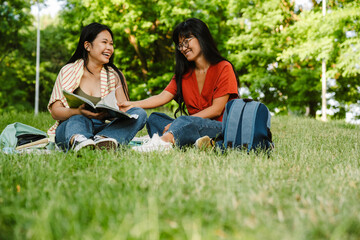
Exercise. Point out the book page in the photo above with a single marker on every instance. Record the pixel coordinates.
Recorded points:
(75, 101)
(109, 100)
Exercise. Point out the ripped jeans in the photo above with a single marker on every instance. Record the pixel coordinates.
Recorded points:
(123, 130)
(186, 129)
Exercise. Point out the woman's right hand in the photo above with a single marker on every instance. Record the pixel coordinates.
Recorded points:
(151, 102)
(90, 114)
(60, 112)
(125, 106)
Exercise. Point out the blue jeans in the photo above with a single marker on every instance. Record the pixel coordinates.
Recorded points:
(123, 130)
(186, 129)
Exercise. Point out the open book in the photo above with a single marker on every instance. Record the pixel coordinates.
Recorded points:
(36, 144)
(107, 104)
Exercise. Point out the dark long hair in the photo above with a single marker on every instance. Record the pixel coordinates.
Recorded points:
(89, 33)
(197, 28)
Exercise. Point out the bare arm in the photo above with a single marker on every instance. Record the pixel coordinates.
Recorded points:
(119, 91)
(215, 109)
(60, 112)
(151, 102)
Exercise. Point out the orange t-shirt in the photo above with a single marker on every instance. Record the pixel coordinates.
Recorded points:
(219, 80)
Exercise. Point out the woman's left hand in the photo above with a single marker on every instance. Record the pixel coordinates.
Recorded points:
(124, 106)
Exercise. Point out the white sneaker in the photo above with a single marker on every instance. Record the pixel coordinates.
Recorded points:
(154, 144)
(80, 141)
(105, 143)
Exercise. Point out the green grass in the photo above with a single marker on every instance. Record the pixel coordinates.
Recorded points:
(307, 189)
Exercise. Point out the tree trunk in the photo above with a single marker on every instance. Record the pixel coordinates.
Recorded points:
(312, 109)
(133, 42)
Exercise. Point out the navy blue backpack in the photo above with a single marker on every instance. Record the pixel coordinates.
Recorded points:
(246, 125)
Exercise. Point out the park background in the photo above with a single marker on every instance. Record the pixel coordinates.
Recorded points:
(307, 189)
(276, 46)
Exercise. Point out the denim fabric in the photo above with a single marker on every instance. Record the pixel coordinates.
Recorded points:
(157, 123)
(186, 129)
(123, 130)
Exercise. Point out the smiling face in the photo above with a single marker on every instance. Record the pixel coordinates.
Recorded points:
(190, 48)
(101, 49)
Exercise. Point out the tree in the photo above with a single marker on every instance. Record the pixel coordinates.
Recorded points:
(278, 52)
(312, 38)
(275, 48)
(14, 18)
(15, 21)
(54, 55)
(255, 42)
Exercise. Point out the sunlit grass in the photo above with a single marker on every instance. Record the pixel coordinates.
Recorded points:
(307, 189)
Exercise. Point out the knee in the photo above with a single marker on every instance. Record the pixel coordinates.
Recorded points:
(152, 118)
(183, 120)
(142, 115)
(156, 116)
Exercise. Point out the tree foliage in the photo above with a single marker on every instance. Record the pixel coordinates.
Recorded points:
(276, 48)
(15, 57)
(332, 37)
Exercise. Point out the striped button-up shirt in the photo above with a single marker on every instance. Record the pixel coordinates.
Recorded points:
(69, 79)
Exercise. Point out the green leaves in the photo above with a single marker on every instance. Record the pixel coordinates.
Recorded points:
(276, 49)
(271, 45)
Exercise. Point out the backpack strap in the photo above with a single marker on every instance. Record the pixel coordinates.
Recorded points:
(232, 122)
(248, 124)
(268, 121)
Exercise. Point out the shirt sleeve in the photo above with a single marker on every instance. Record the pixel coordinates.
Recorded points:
(57, 93)
(171, 87)
(227, 83)
(55, 96)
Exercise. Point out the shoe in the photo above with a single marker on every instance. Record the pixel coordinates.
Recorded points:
(105, 143)
(204, 142)
(79, 141)
(154, 144)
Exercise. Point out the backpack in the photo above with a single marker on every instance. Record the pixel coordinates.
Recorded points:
(246, 125)
(18, 135)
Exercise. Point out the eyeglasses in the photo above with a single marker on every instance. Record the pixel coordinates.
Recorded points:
(184, 44)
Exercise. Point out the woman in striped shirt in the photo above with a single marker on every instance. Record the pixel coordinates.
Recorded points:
(90, 73)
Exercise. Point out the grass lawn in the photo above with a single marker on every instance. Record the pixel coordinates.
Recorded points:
(308, 189)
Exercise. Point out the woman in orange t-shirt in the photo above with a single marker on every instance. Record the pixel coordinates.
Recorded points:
(204, 82)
